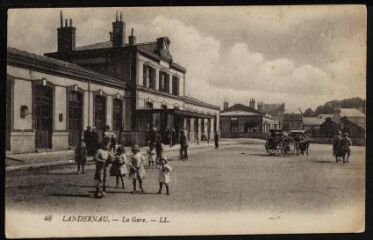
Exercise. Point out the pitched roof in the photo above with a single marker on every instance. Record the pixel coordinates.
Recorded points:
(241, 108)
(325, 116)
(361, 124)
(99, 45)
(198, 102)
(27, 59)
(350, 112)
(312, 121)
(150, 46)
(146, 47)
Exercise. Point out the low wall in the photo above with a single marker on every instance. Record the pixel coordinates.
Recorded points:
(243, 135)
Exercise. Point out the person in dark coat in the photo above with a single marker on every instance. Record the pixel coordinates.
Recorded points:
(216, 139)
(94, 140)
(183, 146)
(87, 136)
(345, 146)
(336, 145)
(81, 156)
(158, 148)
(152, 139)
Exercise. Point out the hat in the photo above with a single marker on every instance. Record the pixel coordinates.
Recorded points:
(345, 134)
(136, 148)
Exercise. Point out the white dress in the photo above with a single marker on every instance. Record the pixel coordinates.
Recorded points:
(164, 174)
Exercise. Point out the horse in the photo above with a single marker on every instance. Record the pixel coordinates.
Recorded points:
(303, 146)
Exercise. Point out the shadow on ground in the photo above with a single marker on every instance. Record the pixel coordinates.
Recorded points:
(71, 195)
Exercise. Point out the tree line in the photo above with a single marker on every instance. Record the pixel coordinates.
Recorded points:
(333, 105)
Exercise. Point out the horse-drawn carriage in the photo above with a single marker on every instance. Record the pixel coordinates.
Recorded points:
(281, 142)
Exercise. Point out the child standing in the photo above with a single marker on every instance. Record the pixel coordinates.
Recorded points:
(81, 156)
(118, 168)
(164, 175)
(151, 158)
(137, 170)
(102, 159)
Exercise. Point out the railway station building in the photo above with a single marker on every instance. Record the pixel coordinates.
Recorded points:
(132, 87)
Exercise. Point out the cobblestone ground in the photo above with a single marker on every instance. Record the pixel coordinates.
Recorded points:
(233, 178)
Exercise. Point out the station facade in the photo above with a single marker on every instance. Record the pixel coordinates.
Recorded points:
(132, 87)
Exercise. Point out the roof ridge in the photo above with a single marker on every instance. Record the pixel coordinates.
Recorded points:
(71, 66)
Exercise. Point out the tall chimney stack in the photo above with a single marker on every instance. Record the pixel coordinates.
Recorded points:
(66, 36)
(225, 105)
(119, 31)
(132, 38)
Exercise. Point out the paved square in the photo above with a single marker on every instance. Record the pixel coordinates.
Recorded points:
(232, 178)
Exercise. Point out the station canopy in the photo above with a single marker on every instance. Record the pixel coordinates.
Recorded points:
(176, 111)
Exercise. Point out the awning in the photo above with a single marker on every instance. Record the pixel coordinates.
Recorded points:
(177, 112)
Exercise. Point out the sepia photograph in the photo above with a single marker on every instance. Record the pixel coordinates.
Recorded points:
(184, 121)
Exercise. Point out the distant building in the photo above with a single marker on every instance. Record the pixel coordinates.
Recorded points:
(355, 129)
(277, 111)
(348, 120)
(244, 121)
(312, 123)
(352, 115)
(292, 121)
(328, 128)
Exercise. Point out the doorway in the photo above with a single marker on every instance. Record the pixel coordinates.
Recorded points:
(75, 117)
(43, 116)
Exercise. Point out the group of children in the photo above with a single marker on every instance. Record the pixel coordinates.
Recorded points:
(118, 165)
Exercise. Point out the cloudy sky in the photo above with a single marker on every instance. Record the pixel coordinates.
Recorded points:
(299, 55)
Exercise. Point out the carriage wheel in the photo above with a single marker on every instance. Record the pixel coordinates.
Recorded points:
(292, 147)
(288, 148)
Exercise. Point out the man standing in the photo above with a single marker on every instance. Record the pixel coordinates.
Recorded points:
(216, 139)
(88, 140)
(152, 139)
(345, 146)
(336, 145)
(183, 146)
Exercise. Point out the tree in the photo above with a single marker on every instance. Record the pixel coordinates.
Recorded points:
(309, 113)
(334, 105)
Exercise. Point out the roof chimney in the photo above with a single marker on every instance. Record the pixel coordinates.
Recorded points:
(225, 105)
(66, 36)
(61, 19)
(132, 38)
(252, 103)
